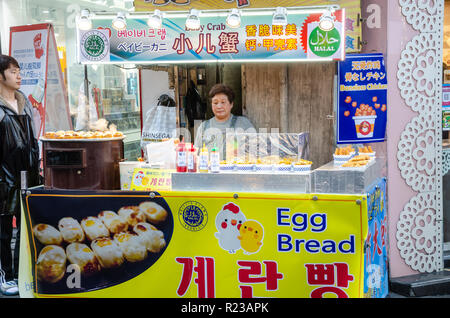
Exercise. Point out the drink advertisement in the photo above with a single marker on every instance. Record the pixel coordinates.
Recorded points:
(362, 99)
(255, 40)
(446, 107)
(28, 45)
(34, 48)
(193, 245)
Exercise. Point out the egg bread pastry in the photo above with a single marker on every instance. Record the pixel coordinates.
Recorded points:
(132, 215)
(108, 252)
(51, 264)
(94, 228)
(113, 221)
(154, 213)
(80, 254)
(71, 230)
(150, 236)
(131, 246)
(47, 234)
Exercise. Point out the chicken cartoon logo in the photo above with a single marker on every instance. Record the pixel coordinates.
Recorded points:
(228, 222)
(251, 234)
(138, 178)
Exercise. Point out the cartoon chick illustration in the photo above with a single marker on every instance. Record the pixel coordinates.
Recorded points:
(251, 235)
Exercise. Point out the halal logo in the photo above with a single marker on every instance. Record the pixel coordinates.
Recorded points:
(324, 43)
(193, 216)
(94, 45)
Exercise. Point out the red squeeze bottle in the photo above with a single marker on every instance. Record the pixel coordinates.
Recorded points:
(192, 159)
(181, 157)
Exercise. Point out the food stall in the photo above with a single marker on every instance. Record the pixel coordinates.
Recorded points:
(260, 223)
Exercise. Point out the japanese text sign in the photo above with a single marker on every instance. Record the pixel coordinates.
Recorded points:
(362, 99)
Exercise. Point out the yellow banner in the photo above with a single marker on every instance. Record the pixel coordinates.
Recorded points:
(151, 179)
(209, 245)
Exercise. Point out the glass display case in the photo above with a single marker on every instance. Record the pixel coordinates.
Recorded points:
(114, 96)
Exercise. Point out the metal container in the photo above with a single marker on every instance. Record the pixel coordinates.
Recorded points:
(243, 182)
(332, 179)
(85, 164)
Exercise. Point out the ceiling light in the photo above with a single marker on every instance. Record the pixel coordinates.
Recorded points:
(234, 19)
(327, 21)
(84, 21)
(193, 20)
(119, 22)
(155, 20)
(280, 16)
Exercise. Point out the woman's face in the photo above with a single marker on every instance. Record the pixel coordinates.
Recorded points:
(221, 107)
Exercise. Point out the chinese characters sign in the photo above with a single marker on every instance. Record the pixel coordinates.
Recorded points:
(256, 39)
(209, 245)
(362, 100)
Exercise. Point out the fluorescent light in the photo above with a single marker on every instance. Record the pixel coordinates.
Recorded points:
(280, 16)
(193, 20)
(120, 22)
(155, 20)
(84, 21)
(234, 19)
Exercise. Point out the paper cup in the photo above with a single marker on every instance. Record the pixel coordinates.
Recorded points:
(364, 126)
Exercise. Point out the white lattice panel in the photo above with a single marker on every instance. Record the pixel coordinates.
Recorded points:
(419, 229)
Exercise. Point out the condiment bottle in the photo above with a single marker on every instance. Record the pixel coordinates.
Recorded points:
(215, 160)
(203, 159)
(181, 157)
(192, 159)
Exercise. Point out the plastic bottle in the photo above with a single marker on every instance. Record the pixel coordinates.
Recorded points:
(203, 160)
(181, 157)
(215, 160)
(191, 159)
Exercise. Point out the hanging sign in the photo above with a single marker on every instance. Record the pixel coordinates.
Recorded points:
(255, 40)
(34, 48)
(362, 102)
(352, 9)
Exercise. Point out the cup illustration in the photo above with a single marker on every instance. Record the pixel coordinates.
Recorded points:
(364, 126)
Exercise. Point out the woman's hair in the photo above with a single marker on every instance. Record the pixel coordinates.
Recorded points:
(5, 62)
(222, 89)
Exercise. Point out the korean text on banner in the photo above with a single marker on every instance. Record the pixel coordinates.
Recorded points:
(203, 245)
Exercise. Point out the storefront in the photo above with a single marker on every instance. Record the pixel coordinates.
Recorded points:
(322, 219)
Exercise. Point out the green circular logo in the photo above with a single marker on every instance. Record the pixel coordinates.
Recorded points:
(324, 43)
(94, 45)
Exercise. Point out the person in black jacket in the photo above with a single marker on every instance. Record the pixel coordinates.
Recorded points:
(19, 151)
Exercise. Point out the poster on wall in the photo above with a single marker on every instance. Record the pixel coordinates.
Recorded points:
(352, 9)
(362, 99)
(446, 107)
(34, 48)
(133, 244)
(255, 40)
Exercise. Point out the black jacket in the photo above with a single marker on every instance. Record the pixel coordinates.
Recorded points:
(19, 151)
